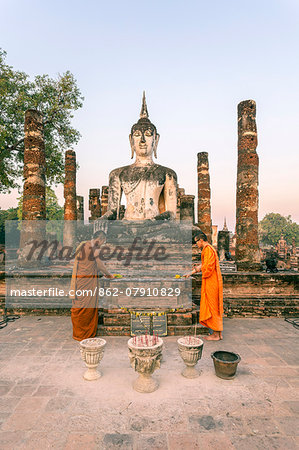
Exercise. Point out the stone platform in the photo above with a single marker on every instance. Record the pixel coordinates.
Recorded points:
(45, 402)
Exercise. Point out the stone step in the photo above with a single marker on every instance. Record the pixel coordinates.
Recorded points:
(172, 330)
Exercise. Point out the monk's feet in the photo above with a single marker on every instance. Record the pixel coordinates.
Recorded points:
(216, 336)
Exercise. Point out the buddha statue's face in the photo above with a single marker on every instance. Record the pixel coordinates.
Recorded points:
(144, 140)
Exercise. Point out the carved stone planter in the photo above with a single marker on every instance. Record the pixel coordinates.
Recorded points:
(190, 348)
(145, 359)
(92, 351)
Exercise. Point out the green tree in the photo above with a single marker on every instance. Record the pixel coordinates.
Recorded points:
(273, 224)
(56, 99)
(53, 210)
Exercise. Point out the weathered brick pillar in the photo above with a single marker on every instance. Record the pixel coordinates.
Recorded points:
(34, 193)
(94, 204)
(293, 257)
(80, 207)
(247, 246)
(70, 207)
(223, 244)
(104, 199)
(204, 195)
(187, 207)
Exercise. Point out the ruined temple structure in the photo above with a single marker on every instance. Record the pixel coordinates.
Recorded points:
(104, 199)
(95, 207)
(70, 198)
(247, 246)
(294, 257)
(223, 242)
(282, 247)
(34, 193)
(204, 195)
(80, 207)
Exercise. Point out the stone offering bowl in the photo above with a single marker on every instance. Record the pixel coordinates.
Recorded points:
(225, 364)
(145, 360)
(190, 348)
(92, 351)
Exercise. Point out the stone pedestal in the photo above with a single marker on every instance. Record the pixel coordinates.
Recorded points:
(204, 195)
(247, 246)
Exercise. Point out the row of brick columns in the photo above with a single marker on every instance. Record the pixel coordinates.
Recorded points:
(247, 248)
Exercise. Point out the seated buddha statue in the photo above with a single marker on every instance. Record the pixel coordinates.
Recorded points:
(150, 189)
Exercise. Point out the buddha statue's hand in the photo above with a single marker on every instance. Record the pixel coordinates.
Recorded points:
(102, 224)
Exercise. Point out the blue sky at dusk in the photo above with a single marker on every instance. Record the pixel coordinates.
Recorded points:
(196, 60)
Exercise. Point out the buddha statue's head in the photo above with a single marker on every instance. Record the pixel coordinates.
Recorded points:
(144, 137)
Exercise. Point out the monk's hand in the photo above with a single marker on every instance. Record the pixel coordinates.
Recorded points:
(187, 275)
(109, 275)
(197, 267)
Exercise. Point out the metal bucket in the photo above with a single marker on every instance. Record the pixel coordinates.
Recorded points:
(225, 364)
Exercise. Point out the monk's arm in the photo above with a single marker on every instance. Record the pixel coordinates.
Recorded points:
(102, 268)
(208, 265)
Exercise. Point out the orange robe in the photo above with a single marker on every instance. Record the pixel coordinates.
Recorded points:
(84, 312)
(211, 301)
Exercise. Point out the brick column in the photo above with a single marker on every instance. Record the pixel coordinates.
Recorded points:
(94, 204)
(34, 192)
(204, 195)
(247, 246)
(180, 193)
(104, 199)
(223, 244)
(122, 211)
(187, 207)
(70, 207)
(80, 207)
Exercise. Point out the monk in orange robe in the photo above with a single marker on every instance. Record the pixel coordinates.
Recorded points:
(84, 313)
(211, 301)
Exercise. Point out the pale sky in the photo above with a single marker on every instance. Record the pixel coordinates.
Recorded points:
(196, 60)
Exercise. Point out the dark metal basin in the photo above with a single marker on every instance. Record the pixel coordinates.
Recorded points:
(225, 364)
